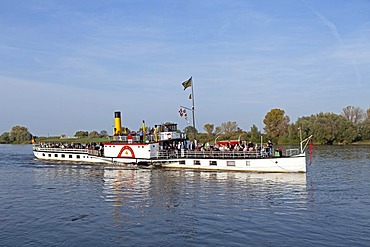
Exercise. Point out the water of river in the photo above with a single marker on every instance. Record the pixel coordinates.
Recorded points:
(69, 204)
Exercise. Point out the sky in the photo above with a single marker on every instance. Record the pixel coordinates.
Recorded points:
(67, 66)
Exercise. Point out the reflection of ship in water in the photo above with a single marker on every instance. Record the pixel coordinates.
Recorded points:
(183, 200)
(128, 186)
(296, 179)
(124, 186)
(185, 186)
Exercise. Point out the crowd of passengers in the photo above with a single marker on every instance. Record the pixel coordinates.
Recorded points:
(91, 146)
(177, 146)
(239, 147)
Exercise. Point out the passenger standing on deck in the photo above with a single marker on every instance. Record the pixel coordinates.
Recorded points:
(141, 134)
(269, 146)
(250, 146)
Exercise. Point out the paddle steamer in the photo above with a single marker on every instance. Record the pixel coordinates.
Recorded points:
(166, 146)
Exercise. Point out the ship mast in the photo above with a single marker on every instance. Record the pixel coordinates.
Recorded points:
(192, 108)
(186, 84)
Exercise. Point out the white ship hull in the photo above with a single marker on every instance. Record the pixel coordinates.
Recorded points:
(200, 160)
(71, 155)
(288, 164)
(81, 156)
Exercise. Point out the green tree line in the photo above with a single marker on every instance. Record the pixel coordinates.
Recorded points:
(21, 135)
(352, 125)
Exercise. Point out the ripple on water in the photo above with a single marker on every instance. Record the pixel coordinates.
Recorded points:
(48, 203)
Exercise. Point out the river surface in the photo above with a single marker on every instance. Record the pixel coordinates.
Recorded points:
(69, 204)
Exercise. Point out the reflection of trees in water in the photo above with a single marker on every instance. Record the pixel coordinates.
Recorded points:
(341, 152)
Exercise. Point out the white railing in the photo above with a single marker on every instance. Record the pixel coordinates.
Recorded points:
(133, 139)
(94, 152)
(166, 154)
(292, 151)
(61, 150)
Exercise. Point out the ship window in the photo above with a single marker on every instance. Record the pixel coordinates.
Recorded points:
(213, 163)
(55, 155)
(230, 163)
(77, 156)
(43, 154)
(49, 155)
(63, 156)
(70, 156)
(182, 162)
(197, 162)
(248, 163)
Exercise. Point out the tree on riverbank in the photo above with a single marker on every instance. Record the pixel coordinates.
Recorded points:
(352, 125)
(18, 135)
(276, 124)
(328, 128)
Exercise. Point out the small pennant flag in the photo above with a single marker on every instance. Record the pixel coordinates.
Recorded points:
(181, 112)
(189, 96)
(187, 83)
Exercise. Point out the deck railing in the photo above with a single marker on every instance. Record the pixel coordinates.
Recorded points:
(61, 150)
(133, 139)
(178, 154)
(292, 151)
(165, 154)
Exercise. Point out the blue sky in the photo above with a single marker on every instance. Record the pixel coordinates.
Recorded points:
(68, 65)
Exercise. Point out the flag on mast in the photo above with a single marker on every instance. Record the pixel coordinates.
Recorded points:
(187, 83)
(189, 96)
(181, 112)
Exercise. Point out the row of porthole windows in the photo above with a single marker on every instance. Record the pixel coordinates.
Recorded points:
(70, 156)
(213, 162)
